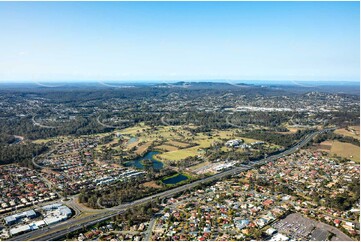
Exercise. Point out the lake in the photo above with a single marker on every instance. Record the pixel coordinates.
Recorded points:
(175, 179)
(156, 164)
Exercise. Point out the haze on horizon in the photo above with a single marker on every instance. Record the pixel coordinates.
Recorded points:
(63, 41)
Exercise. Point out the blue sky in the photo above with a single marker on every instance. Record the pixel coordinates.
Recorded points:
(180, 41)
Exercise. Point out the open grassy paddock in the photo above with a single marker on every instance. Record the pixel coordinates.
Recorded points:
(342, 149)
(166, 148)
(351, 131)
(143, 148)
(177, 144)
(346, 150)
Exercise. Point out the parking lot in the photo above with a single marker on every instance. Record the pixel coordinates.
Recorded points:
(295, 226)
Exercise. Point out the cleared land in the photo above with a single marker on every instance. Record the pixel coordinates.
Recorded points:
(152, 184)
(292, 130)
(346, 150)
(341, 149)
(352, 131)
(200, 165)
(325, 146)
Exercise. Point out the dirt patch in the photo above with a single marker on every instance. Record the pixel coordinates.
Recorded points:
(151, 184)
(324, 146)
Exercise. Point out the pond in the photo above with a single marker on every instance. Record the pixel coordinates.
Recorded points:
(175, 179)
(138, 163)
(132, 140)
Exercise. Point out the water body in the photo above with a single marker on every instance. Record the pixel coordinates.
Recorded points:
(132, 140)
(156, 164)
(175, 179)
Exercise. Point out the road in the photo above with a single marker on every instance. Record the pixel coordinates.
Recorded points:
(59, 230)
(149, 231)
(41, 125)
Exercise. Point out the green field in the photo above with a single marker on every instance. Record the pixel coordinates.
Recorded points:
(174, 142)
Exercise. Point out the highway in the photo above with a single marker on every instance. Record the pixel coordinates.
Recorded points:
(57, 231)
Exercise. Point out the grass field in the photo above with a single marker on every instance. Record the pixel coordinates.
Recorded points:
(178, 154)
(202, 140)
(356, 129)
(200, 165)
(141, 149)
(39, 141)
(325, 146)
(166, 148)
(291, 131)
(175, 142)
(352, 131)
(133, 144)
(135, 130)
(178, 144)
(346, 150)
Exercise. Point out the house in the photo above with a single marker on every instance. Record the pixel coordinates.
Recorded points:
(267, 202)
(261, 222)
(241, 223)
(337, 222)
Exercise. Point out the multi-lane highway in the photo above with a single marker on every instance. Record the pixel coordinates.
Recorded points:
(59, 230)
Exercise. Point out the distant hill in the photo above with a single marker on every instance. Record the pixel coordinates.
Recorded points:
(203, 85)
(262, 87)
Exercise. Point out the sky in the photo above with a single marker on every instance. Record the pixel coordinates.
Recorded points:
(67, 41)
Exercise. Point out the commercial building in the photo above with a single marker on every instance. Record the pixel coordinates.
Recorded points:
(20, 229)
(57, 214)
(13, 219)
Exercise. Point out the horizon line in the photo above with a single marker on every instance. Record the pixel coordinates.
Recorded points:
(176, 80)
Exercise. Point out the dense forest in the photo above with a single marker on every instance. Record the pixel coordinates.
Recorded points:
(21, 153)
